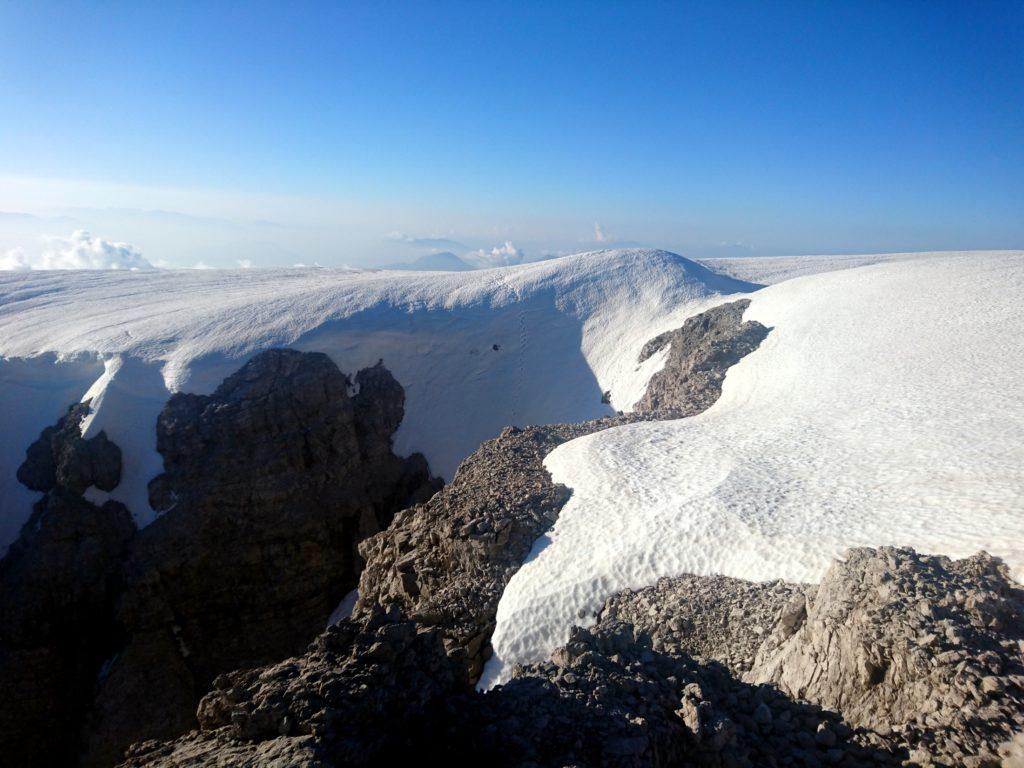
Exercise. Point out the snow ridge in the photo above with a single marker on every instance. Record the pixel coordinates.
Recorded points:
(475, 351)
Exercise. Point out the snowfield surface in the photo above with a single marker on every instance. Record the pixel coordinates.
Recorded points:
(475, 351)
(886, 406)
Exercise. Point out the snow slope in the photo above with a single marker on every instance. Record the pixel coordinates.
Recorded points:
(475, 351)
(886, 406)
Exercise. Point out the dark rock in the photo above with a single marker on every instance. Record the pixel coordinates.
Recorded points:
(339, 704)
(57, 586)
(366, 693)
(62, 458)
(269, 485)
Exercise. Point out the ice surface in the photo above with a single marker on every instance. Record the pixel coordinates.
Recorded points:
(475, 351)
(886, 406)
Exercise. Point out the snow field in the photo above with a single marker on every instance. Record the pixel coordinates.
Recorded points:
(475, 351)
(885, 407)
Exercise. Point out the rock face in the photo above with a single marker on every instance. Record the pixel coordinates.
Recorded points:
(926, 646)
(699, 355)
(269, 485)
(58, 583)
(924, 650)
(62, 458)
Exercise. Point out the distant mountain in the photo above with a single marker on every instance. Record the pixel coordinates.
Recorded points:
(446, 261)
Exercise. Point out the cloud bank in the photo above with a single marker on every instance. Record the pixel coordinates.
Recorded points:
(500, 256)
(80, 251)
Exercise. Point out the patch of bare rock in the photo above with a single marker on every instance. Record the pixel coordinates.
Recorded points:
(699, 355)
(58, 583)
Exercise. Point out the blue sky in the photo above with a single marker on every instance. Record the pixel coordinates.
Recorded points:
(276, 133)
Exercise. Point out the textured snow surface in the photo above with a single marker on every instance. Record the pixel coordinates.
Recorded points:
(475, 351)
(768, 270)
(886, 406)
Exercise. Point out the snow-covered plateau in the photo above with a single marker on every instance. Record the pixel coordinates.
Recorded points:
(475, 351)
(884, 407)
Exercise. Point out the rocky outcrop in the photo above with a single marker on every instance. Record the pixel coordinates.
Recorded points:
(608, 698)
(269, 485)
(700, 353)
(925, 647)
(924, 650)
(58, 583)
(445, 563)
(625, 694)
(62, 458)
(605, 699)
(363, 694)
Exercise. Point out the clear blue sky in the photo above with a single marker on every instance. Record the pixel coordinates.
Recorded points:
(701, 127)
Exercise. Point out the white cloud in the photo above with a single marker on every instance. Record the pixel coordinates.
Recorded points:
(80, 251)
(436, 243)
(245, 263)
(599, 234)
(15, 260)
(499, 256)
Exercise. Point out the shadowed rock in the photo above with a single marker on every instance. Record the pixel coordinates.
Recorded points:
(62, 458)
(606, 698)
(269, 485)
(58, 583)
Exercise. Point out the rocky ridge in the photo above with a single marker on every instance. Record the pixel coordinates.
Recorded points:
(269, 483)
(605, 699)
(625, 694)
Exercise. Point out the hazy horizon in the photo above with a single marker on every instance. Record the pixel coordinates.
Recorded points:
(369, 135)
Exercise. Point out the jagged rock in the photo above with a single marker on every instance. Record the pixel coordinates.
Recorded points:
(269, 485)
(922, 649)
(57, 584)
(700, 353)
(445, 563)
(927, 646)
(363, 694)
(62, 458)
(608, 699)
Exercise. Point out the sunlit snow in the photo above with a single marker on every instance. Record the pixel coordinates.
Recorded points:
(885, 407)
